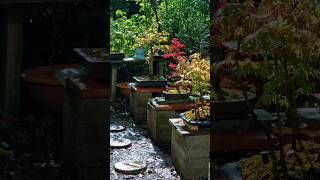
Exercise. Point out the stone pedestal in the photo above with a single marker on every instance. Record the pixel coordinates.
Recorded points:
(138, 100)
(158, 120)
(190, 151)
(85, 117)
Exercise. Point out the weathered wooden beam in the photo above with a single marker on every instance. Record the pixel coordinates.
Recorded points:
(11, 60)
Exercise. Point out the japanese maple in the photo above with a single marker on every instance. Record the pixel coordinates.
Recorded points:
(176, 54)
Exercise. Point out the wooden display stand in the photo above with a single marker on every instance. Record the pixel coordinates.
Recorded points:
(190, 150)
(85, 117)
(158, 124)
(139, 98)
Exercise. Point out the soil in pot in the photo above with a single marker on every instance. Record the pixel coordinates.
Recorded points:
(197, 117)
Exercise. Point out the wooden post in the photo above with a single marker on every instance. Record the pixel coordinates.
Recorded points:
(157, 68)
(113, 88)
(11, 61)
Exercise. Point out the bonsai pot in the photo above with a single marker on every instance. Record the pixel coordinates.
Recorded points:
(286, 130)
(96, 62)
(201, 123)
(114, 56)
(124, 88)
(139, 54)
(42, 91)
(175, 96)
(150, 81)
(232, 108)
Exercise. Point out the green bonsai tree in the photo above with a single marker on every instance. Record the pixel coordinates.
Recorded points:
(151, 40)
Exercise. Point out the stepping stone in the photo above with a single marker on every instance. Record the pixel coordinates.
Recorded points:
(116, 128)
(120, 143)
(130, 167)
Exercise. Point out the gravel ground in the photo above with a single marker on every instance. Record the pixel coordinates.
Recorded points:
(32, 149)
(158, 161)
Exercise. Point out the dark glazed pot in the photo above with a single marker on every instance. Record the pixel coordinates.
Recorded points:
(235, 108)
(97, 63)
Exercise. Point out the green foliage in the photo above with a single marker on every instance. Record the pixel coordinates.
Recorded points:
(130, 7)
(287, 36)
(124, 30)
(188, 20)
(152, 40)
(195, 74)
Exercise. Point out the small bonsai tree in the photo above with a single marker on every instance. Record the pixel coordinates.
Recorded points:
(152, 41)
(195, 75)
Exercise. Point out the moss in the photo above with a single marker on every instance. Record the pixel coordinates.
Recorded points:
(298, 166)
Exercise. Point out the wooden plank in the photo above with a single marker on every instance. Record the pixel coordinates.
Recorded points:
(113, 82)
(11, 61)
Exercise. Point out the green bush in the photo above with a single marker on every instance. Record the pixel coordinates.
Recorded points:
(125, 28)
(188, 20)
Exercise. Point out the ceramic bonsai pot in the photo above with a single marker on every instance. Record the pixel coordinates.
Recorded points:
(150, 81)
(124, 88)
(232, 108)
(96, 62)
(42, 79)
(175, 96)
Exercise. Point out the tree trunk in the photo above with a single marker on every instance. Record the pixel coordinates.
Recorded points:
(151, 60)
(154, 7)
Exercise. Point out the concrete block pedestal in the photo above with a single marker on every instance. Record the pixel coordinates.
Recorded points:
(158, 120)
(138, 100)
(85, 119)
(190, 151)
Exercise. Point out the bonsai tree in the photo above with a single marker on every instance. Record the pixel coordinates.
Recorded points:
(195, 75)
(174, 54)
(285, 37)
(152, 41)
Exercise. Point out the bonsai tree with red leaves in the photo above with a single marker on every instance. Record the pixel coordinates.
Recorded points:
(175, 54)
